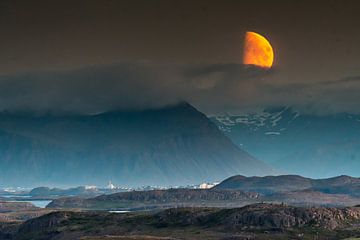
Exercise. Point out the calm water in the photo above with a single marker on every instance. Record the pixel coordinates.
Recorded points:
(118, 211)
(38, 203)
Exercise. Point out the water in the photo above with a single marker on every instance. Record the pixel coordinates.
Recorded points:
(17, 196)
(38, 203)
(118, 211)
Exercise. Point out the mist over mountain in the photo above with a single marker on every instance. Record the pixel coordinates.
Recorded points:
(305, 144)
(168, 146)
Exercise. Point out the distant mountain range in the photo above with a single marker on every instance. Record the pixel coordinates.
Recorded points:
(308, 145)
(175, 145)
(235, 191)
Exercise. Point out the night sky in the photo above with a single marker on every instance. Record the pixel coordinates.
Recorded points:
(94, 56)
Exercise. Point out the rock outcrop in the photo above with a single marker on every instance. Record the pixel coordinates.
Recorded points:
(283, 216)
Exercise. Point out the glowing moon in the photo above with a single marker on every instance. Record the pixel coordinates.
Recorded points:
(257, 51)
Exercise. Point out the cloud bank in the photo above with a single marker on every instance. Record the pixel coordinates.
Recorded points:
(213, 88)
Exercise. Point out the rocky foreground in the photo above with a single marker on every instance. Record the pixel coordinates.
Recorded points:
(256, 221)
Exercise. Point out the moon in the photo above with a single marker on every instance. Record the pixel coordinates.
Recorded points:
(257, 51)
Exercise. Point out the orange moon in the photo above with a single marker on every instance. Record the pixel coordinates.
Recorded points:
(257, 51)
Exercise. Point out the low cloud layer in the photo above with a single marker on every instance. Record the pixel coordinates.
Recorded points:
(214, 89)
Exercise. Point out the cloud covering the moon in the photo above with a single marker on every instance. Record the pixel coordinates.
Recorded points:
(213, 88)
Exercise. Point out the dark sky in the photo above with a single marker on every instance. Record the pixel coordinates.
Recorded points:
(93, 56)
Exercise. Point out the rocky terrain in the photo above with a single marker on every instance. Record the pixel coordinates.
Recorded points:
(15, 206)
(311, 198)
(257, 221)
(19, 211)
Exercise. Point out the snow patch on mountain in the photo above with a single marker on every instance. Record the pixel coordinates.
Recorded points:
(266, 120)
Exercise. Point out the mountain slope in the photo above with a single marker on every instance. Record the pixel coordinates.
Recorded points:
(168, 146)
(288, 183)
(304, 144)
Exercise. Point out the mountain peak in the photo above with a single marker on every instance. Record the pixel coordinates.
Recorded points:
(166, 146)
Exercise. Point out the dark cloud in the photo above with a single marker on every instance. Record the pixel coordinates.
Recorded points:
(124, 86)
(351, 79)
(184, 48)
(326, 97)
(213, 88)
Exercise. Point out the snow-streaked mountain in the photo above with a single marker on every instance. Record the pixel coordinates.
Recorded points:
(309, 145)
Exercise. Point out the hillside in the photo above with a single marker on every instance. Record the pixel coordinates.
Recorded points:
(285, 183)
(158, 199)
(175, 145)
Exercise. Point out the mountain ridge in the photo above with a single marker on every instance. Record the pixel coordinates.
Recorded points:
(287, 183)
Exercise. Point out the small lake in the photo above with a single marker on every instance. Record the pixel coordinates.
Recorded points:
(37, 203)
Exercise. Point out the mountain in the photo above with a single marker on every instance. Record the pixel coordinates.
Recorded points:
(304, 144)
(168, 146)
(267, 184)
(290, 183)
